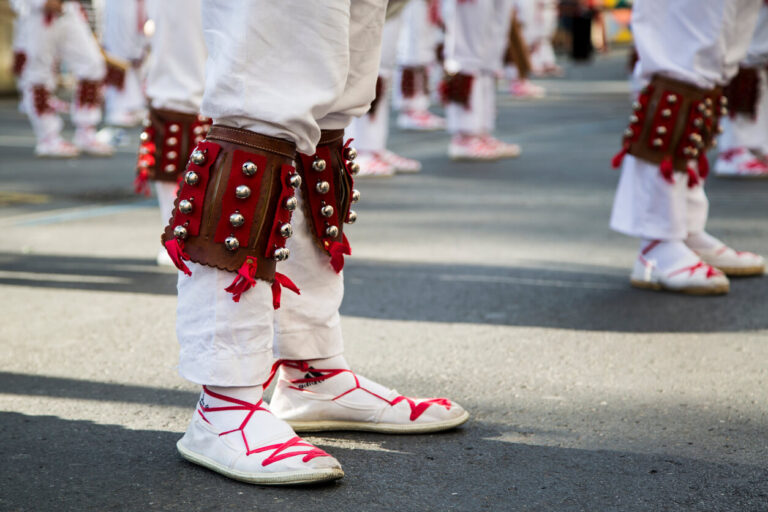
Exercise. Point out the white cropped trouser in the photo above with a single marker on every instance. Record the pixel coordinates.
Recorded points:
(285, 69)
(698, 42)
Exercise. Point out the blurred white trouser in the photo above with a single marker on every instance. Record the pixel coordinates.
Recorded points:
(289, 80)
(124, 38)
(697, 42)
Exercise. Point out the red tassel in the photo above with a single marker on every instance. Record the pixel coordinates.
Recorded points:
(281, 280)
(244, 281)
(337, 251)
(616, 162)
(141, 183)
(667, 169)
(175, 250)
(693, 178)
(703, 166)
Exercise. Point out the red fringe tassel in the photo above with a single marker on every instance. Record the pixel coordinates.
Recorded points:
(703, 166)
(175, 250)
(667, 169)
(337, 251)
(244, 281)
(281, 280)
(616, 162)
(141, 183)
(693, 178)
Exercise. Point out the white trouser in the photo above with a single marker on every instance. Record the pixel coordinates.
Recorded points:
(67, 38)
(475, 39)
(700, 43)
(176, 66)
(539, 21)
(371, 130)
(124, 38)
(291, 68)
(291, 55)
(415, 48)
(743, 131)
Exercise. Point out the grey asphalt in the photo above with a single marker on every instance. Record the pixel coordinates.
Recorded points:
(496, 284)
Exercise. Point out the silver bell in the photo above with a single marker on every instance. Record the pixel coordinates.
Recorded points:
(351, 217)
(322, 187)
(326, 211)
(171, 155)
(237, 219)
(171, 141)
(318, 165)
(198, 157)
(286, 231)
(290, 204)
(355, 195)
(170, 168)
(294, 181)
(174, 128)
(249, 169)
(332, 231)
(242, 192)
(354, 168)
(281, 254)
(144, 137)
(180, 232)
(350, 153)
(191, 178)
(231, 243)
(185, 206)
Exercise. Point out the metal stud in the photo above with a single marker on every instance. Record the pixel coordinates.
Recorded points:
(236, 219)
(242, 192)
(191, 178)
(666, 113)
(661, 130)
(701, 108)
(318, 165)
(322, 187)
(249, 168)
(628, 133)
(354, 168)
(286, 231)
(171, 155)
(355, 195)
(144, 137)
(350, 153)
(174, 128)
(351, 217)
(698, 122)
(708, 102)
(708, 113)
(294, 180)
(290, 204)
(694, 137)
(326, 211)
(636, 105)
(688, 151)
(231, 243)
(723, 101)
(199, 139)
(197, 130)
(657, 143)
(671, 98)
(198, 157)
(185, 206)
(332, 231)
(171, 141)
(633, 119)
(180, 232)
(170, 168)
(723, 111)
(281, 254)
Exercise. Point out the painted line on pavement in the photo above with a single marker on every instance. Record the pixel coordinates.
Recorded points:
(77, 213)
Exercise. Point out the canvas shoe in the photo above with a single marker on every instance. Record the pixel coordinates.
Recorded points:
(338, 399)
(526, 89)
(471, 147)
(400, 163)
(372, 165)
(732, 262)
(502, 149)
(87, 141)
(56, 147)
(741, 163)
(245, 441)
(420, 120)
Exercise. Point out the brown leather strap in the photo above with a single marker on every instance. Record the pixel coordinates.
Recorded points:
(330, 136)
(253, 140)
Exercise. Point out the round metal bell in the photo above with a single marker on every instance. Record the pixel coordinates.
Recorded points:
(171, 155)
(198, 157)
(231, 243)
(294, 180)
(628, 132)
(191, 178)
(657, 143)
(322, 187)
(666, 113)
(174, 128)
(661, 130)
(249, 168)
(286, 231)
(636, 105)
(671, 98)
(326, 211)
(633, 119)
(350, 153)
(144, 137)
(281, 254)
(171, 141)
(354, 168)
(197, 130)
(351, 217)
(332, 231)
(185, 206)
(355, 195)
(180, 232)
(290, 204)
(318, 165)
(146, 122)
(242, 192)
(237, 219)
(170, 168)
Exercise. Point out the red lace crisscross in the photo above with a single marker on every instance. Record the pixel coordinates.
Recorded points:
(278, 450)
(711, 271)
(417, 409)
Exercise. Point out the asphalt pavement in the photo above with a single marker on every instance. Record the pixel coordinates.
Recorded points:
(497, 284)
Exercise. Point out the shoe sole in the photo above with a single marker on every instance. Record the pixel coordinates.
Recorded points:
(691, 290)
(743, 271)
(309, 476)
(474, 159)
(382, 428)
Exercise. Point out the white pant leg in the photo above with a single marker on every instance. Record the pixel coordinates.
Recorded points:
(488, 82)
(647, 206)
(124, 38)
(471, 120)
(697, 209)
(125, 101)
(418, 38)
(166, 195)
(176, 67)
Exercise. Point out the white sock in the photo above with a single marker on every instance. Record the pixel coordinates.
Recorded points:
(702, 241)
(228, 420)
(669, 255)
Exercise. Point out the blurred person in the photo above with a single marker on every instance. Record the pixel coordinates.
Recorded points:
(475, 39)
(687, 51)
(539, 21)
(274, 178)
(416, 54)
(175, 83)
(743, 148)
(123, 38)
(371, 131)
(58, 31)
(517, 63)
